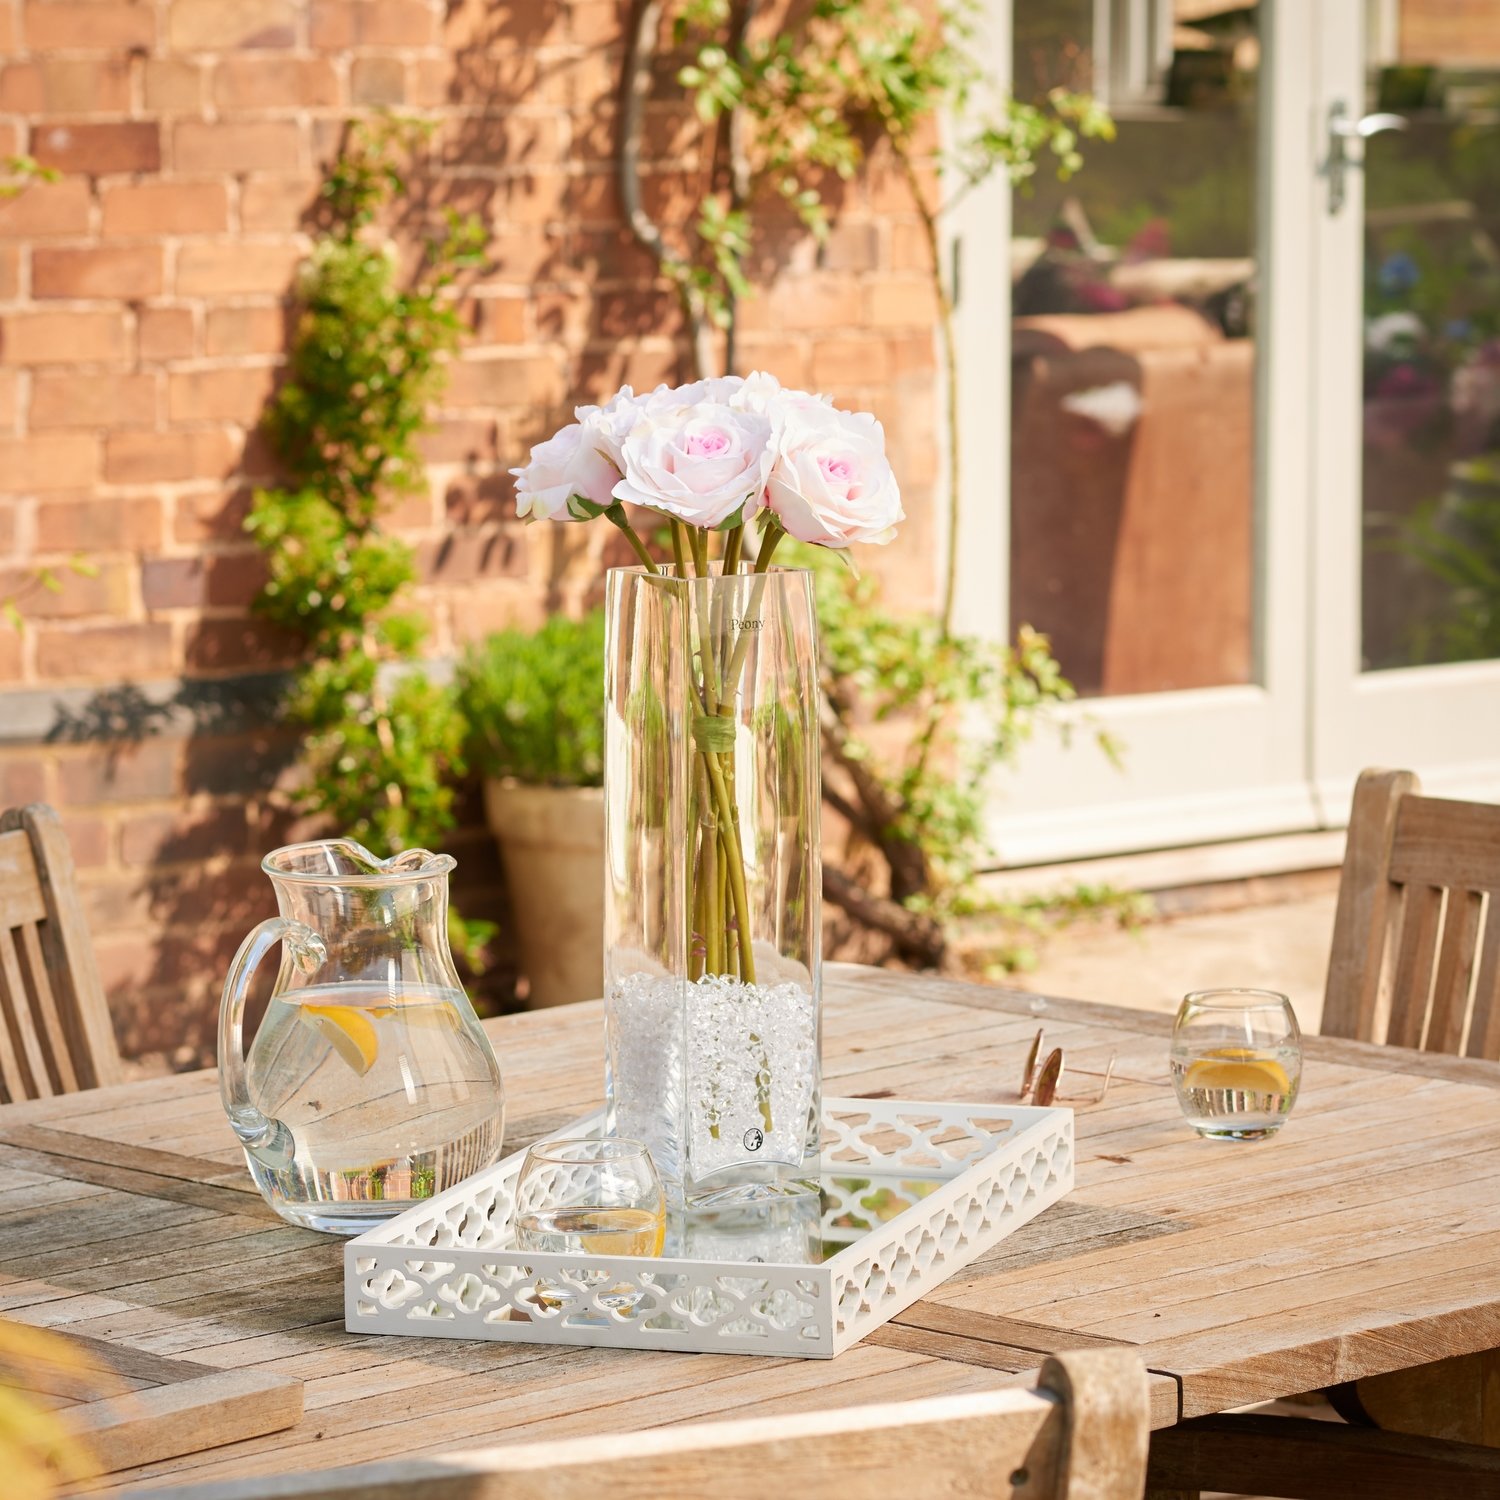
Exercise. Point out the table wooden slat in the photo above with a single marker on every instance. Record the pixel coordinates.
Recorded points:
(1364, 1238)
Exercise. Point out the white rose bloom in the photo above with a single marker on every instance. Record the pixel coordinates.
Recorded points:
(831, 483)
(605, 426)
(566, 479)
(704, 464)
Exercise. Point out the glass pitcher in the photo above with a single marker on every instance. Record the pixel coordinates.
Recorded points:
(370, 1084)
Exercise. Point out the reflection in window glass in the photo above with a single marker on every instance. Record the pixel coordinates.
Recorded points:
(1431, 486)
(1132, 421)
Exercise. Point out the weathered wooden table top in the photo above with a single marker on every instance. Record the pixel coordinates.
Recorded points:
(1364, 1238)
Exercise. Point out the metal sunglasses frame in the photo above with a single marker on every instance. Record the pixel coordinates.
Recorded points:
(1041, 1083)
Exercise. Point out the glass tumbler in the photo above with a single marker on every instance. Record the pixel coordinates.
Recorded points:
(589, 1197)
(1236, 1062)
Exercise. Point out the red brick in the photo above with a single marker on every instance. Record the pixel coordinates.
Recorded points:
(62, 338)
(500, 320)
(275, 83)
(246, 330)
(106, 592)
(167, 457)
(217, 25)
(237, 395)
(336, 24)
(48, 463)
(331, 25)
(171, 837)
(130, 773)
(10, 33)
(12, 651)
(125, 272)
(173, 86)
(132, 524)
(103, 23)
(46, 208)
(520, 380)
(906, 303)
(23, 775)
(120, 146)
(167, 207)
(196, 582)
(10, 273)
(66, 86)
(249, 146)
(125, 652)
(377, 81)
(269, 203)
(849, 364)
(216, 267)
(165, 333)
(92, 401)
(460, 442)
(217, 515)
(231, 645)
(10, 413)
(88, 838)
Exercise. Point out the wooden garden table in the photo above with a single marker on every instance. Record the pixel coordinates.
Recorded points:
(1364, 1238)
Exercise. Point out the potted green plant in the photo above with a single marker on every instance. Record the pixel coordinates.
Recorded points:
(534, 706)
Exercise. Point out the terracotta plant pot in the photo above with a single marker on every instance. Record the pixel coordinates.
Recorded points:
(552, 843)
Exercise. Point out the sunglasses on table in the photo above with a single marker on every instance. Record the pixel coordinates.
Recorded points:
(1042, 1080)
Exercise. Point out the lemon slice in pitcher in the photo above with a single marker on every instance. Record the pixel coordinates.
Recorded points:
(349, 1031)
(1239, 1069)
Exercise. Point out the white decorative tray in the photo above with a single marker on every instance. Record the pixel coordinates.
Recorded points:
(909, 1193)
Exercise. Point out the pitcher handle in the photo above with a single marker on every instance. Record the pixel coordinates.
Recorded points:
(255, 1130)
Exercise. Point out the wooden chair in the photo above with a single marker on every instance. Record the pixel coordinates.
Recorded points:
(1416, 938)
(55, 1032)
(1081, 1435)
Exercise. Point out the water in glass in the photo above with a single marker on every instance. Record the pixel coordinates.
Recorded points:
(1236, 1062)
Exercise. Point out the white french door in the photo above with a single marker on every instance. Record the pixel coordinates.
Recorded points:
(1183, 496)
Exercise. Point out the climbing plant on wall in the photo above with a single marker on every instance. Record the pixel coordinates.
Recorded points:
(366, 359)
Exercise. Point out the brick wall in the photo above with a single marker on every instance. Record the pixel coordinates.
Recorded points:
(142, 322)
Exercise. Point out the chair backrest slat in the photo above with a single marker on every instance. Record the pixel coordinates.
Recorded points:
(20, 890)
(1416, 943)
(56, 1034)
(22, 1021)
(51, 1013)
(1484, 1024)
(1081, 1436)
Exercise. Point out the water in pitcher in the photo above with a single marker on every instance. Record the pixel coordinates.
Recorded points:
(390, 1098)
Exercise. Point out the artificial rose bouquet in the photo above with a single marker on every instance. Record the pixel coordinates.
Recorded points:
(714, 458)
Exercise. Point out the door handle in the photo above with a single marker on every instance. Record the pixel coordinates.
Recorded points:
(1341, 130)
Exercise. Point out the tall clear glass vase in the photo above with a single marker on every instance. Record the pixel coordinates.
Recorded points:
(712, 956)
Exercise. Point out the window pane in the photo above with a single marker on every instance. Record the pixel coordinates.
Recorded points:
(1132, 420)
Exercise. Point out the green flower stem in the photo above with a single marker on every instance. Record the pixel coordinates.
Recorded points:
(736, 868)
(679, 548)
(616, 515)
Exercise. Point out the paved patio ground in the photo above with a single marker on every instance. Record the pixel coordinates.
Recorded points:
(1281, 945)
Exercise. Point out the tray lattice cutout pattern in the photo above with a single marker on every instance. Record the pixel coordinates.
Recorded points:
(911, 1192)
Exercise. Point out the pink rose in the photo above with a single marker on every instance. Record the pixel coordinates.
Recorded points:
(704, 464)
(605, 426)
(831, 483)
(567, 478)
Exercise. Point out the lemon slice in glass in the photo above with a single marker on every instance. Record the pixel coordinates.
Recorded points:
(349, 1031)
(1240, 1070)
